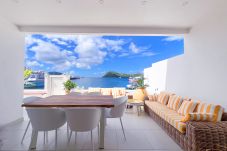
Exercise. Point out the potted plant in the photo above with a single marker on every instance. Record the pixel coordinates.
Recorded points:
(69, 85)
(141, 89)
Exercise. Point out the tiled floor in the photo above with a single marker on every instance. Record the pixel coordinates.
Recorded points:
(141, 131)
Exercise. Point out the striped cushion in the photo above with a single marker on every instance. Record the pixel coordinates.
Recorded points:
(153, 97)
(174, 102)
(118, 92)
(169, 115)
(94, 89)
(163, 98)
(212, 109)
(199, 117)
(106, 91)
(187, 107)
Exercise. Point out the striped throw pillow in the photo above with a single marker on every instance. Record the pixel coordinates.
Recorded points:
(163, 98)
(187, 107)
(199, 117)
(174, 102)
(152, 97)
(212, 109)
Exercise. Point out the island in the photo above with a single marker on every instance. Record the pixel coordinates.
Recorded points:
(120, 75)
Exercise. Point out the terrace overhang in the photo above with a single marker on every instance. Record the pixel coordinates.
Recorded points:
(107, 30)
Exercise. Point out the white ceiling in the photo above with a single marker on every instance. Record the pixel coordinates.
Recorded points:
(166, 14)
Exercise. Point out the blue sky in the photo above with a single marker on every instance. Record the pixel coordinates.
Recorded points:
(92, 56)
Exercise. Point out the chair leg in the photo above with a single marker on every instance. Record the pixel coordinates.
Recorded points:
(44, 137)
(33, 142)
(56, 138)
(92, 141)
(98, 133)
(25, 132)
(67, 130)
(75, 136)
(123, 129)
(70, 135)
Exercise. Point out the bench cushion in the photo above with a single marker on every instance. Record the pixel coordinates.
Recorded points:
(171, 116)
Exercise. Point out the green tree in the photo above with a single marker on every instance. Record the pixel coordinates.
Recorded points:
(27, 73)
(69, 85)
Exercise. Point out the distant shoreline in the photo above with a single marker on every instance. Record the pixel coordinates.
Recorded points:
(113, 74)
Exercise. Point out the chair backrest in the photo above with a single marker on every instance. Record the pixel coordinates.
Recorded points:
(46, 119)
(83, 119)
(94, 93)
(119, 107)
(31, 99)
(74, 93)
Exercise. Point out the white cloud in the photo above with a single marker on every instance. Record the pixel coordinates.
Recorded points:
(148, 53)
(29, 40)
(92, 50)
(49, 53)
(134, 48)
(89, 50)
(30, 63)
(62, 37)
(124, 54)
(173, 38)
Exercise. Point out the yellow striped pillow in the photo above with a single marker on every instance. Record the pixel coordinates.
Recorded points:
(163, 98)
(152, 97)
(187, 107)
(199, 117)
(212, 109)
(174, 102)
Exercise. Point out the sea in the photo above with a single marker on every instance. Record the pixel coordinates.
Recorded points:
(86, 82)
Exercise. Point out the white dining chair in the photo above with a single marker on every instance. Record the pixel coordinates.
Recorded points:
(118, 110)
(82, 120)
(29, 100)
(46, 119)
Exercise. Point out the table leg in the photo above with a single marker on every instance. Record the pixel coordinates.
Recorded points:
(33, 140)
(102, 129)
(138, 110)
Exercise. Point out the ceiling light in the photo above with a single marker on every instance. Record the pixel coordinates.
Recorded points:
(101, 1)
(185, 3)
(15, 1)
(58, 1)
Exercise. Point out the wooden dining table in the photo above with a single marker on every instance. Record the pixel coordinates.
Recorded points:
(74, 100)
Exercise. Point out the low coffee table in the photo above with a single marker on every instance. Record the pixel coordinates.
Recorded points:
(137, 103)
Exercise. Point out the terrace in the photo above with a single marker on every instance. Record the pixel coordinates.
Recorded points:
(199, 74)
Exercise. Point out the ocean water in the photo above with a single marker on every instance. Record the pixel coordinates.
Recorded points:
(93, 82)
(102, 82)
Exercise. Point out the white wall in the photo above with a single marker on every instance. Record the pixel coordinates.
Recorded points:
(54, 84)
(11, 75)
(156, 77)
(201, 73)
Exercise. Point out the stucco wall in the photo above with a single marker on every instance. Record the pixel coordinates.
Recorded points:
(11, 75)
(201, 73)
(155, 77)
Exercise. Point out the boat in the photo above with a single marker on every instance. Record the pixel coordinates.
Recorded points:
(35, 80)
(132, 83)
(36, 77)
(74, 77)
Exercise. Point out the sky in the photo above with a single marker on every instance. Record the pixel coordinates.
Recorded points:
(93, 56)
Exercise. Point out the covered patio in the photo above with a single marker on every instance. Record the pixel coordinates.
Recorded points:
(199, 74)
